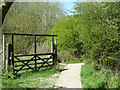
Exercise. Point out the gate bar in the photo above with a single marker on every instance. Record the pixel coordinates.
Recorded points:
(35, 54)
(28, 34)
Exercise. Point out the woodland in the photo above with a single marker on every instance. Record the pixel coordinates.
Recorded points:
(89, 35)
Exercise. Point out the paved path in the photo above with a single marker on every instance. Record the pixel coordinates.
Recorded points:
(70, 78)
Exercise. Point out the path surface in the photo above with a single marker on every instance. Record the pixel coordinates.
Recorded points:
(70, 77)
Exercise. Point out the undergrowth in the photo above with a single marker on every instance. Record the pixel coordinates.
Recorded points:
(92, 78)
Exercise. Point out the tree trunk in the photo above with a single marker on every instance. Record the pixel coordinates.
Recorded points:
(5, 9)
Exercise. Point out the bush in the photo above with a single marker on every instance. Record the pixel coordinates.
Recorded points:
(66, 55)
(110, 77)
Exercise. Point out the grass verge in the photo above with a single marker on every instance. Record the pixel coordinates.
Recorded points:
(92, 78)
(72, 62)
(28, 79)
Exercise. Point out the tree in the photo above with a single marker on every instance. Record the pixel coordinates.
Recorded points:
(26, 17)
(5, 9)
(92, 31)
(5, 6)
(99, 21)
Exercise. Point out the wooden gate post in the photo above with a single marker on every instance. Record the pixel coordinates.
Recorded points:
(13, 52)
(3, 64)
(55, 56)
(54, 51)
(35, 52)
(8, 60)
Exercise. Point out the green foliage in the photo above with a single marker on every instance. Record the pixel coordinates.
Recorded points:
(93, 31)
(110, 77)
(65, 55)
(99, 29)
(68, 56)
(67, 33)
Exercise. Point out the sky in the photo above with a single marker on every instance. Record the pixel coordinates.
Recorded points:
(68, 6)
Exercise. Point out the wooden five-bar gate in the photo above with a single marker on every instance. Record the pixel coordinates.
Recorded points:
(12, 58)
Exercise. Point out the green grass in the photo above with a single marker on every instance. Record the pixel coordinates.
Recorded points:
(27, 79)
(104, 78)
(91, 78)
(75, 61)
